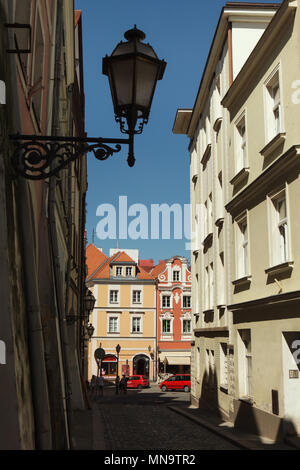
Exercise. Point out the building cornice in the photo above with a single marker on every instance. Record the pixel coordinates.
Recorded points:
(266, 301)
(257, 58)
(218, 330)
(231, 12)
(122, 282)
(265, 181)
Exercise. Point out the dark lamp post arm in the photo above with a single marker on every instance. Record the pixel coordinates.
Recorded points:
(38, 157)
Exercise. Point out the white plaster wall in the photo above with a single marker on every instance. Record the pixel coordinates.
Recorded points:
(244, 38)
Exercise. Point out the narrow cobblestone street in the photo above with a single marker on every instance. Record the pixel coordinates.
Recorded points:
(141, 420)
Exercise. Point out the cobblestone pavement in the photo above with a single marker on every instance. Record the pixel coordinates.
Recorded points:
(141, 420)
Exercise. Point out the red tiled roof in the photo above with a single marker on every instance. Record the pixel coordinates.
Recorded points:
(77, 15)
(146, 264)
(94, 258)
(159, 268)
(123, 258)
(102, 271)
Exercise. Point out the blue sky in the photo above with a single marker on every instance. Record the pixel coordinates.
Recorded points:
(181, 33)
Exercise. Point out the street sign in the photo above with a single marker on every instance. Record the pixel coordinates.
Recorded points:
(99, 354)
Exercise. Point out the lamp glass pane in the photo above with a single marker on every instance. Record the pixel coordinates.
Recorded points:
(146, 75)
(122, 75)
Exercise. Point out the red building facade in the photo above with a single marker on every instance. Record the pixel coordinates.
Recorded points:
(174, 315)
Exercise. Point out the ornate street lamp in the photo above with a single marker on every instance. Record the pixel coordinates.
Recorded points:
(89, 301)
(90, 331)
(133, 70)
(118, 349)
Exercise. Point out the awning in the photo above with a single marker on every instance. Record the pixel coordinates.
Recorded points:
(177, 360)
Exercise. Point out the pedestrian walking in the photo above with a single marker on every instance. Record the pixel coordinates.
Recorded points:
(94, 385)
(117, 385)
(101, 385)
(123, 384)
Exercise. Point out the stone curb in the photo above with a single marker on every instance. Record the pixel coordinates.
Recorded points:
(216, 430)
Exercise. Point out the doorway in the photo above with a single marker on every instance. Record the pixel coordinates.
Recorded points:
(141, 365)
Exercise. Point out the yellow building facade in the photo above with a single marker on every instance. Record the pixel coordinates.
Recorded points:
(124, 314)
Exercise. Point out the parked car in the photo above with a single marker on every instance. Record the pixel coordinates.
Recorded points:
(138, 381)
(177, 382)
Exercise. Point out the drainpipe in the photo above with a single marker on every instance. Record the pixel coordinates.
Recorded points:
(58, 281)
(39, 384)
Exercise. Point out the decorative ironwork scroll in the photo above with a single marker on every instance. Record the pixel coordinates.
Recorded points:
(39, 157)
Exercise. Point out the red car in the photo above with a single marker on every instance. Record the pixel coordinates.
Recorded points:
(177, 382)
(137, 381)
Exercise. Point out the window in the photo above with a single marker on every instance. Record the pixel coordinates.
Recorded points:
(136, 297)
(119, 270)
(23, 15)
(166, 301)
(113, 325)
(242, 247)
(241, 147)
(113, 296)
(166, 326)
(211, 285)
(198, 364)
(246, 372)
(279, 233)
(37, 73)
(223, 366)
(136, 325)
(186, 301)
(176, 275)
(128, 271)
(273, 107)
(186, 326)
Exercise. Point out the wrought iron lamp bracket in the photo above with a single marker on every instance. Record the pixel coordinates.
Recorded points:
(38, 157)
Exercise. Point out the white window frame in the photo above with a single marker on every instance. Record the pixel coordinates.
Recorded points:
(273, 105)
(279, 252)
(187, 296)
(241, 156)
(166, 294)
(163, 317)
(223, 365)
(110, 316)
(119, 268)
(184, 320)
(133, 300)
(242, 246)
(133, 316)
(117, 289)
(178, 274)
(246, 364)
(163, 322)
(128, 271)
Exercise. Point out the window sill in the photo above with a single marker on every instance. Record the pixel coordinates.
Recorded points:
(224, 389)
(273, 144)
(217, 124)
(207, 239)
(240, 176)
(165, 337)
(219, 222)
(280, 268)
(206, 155)
(113, 333)
(248, 400)
(136, 333)
(242, 280)
(209, 310)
